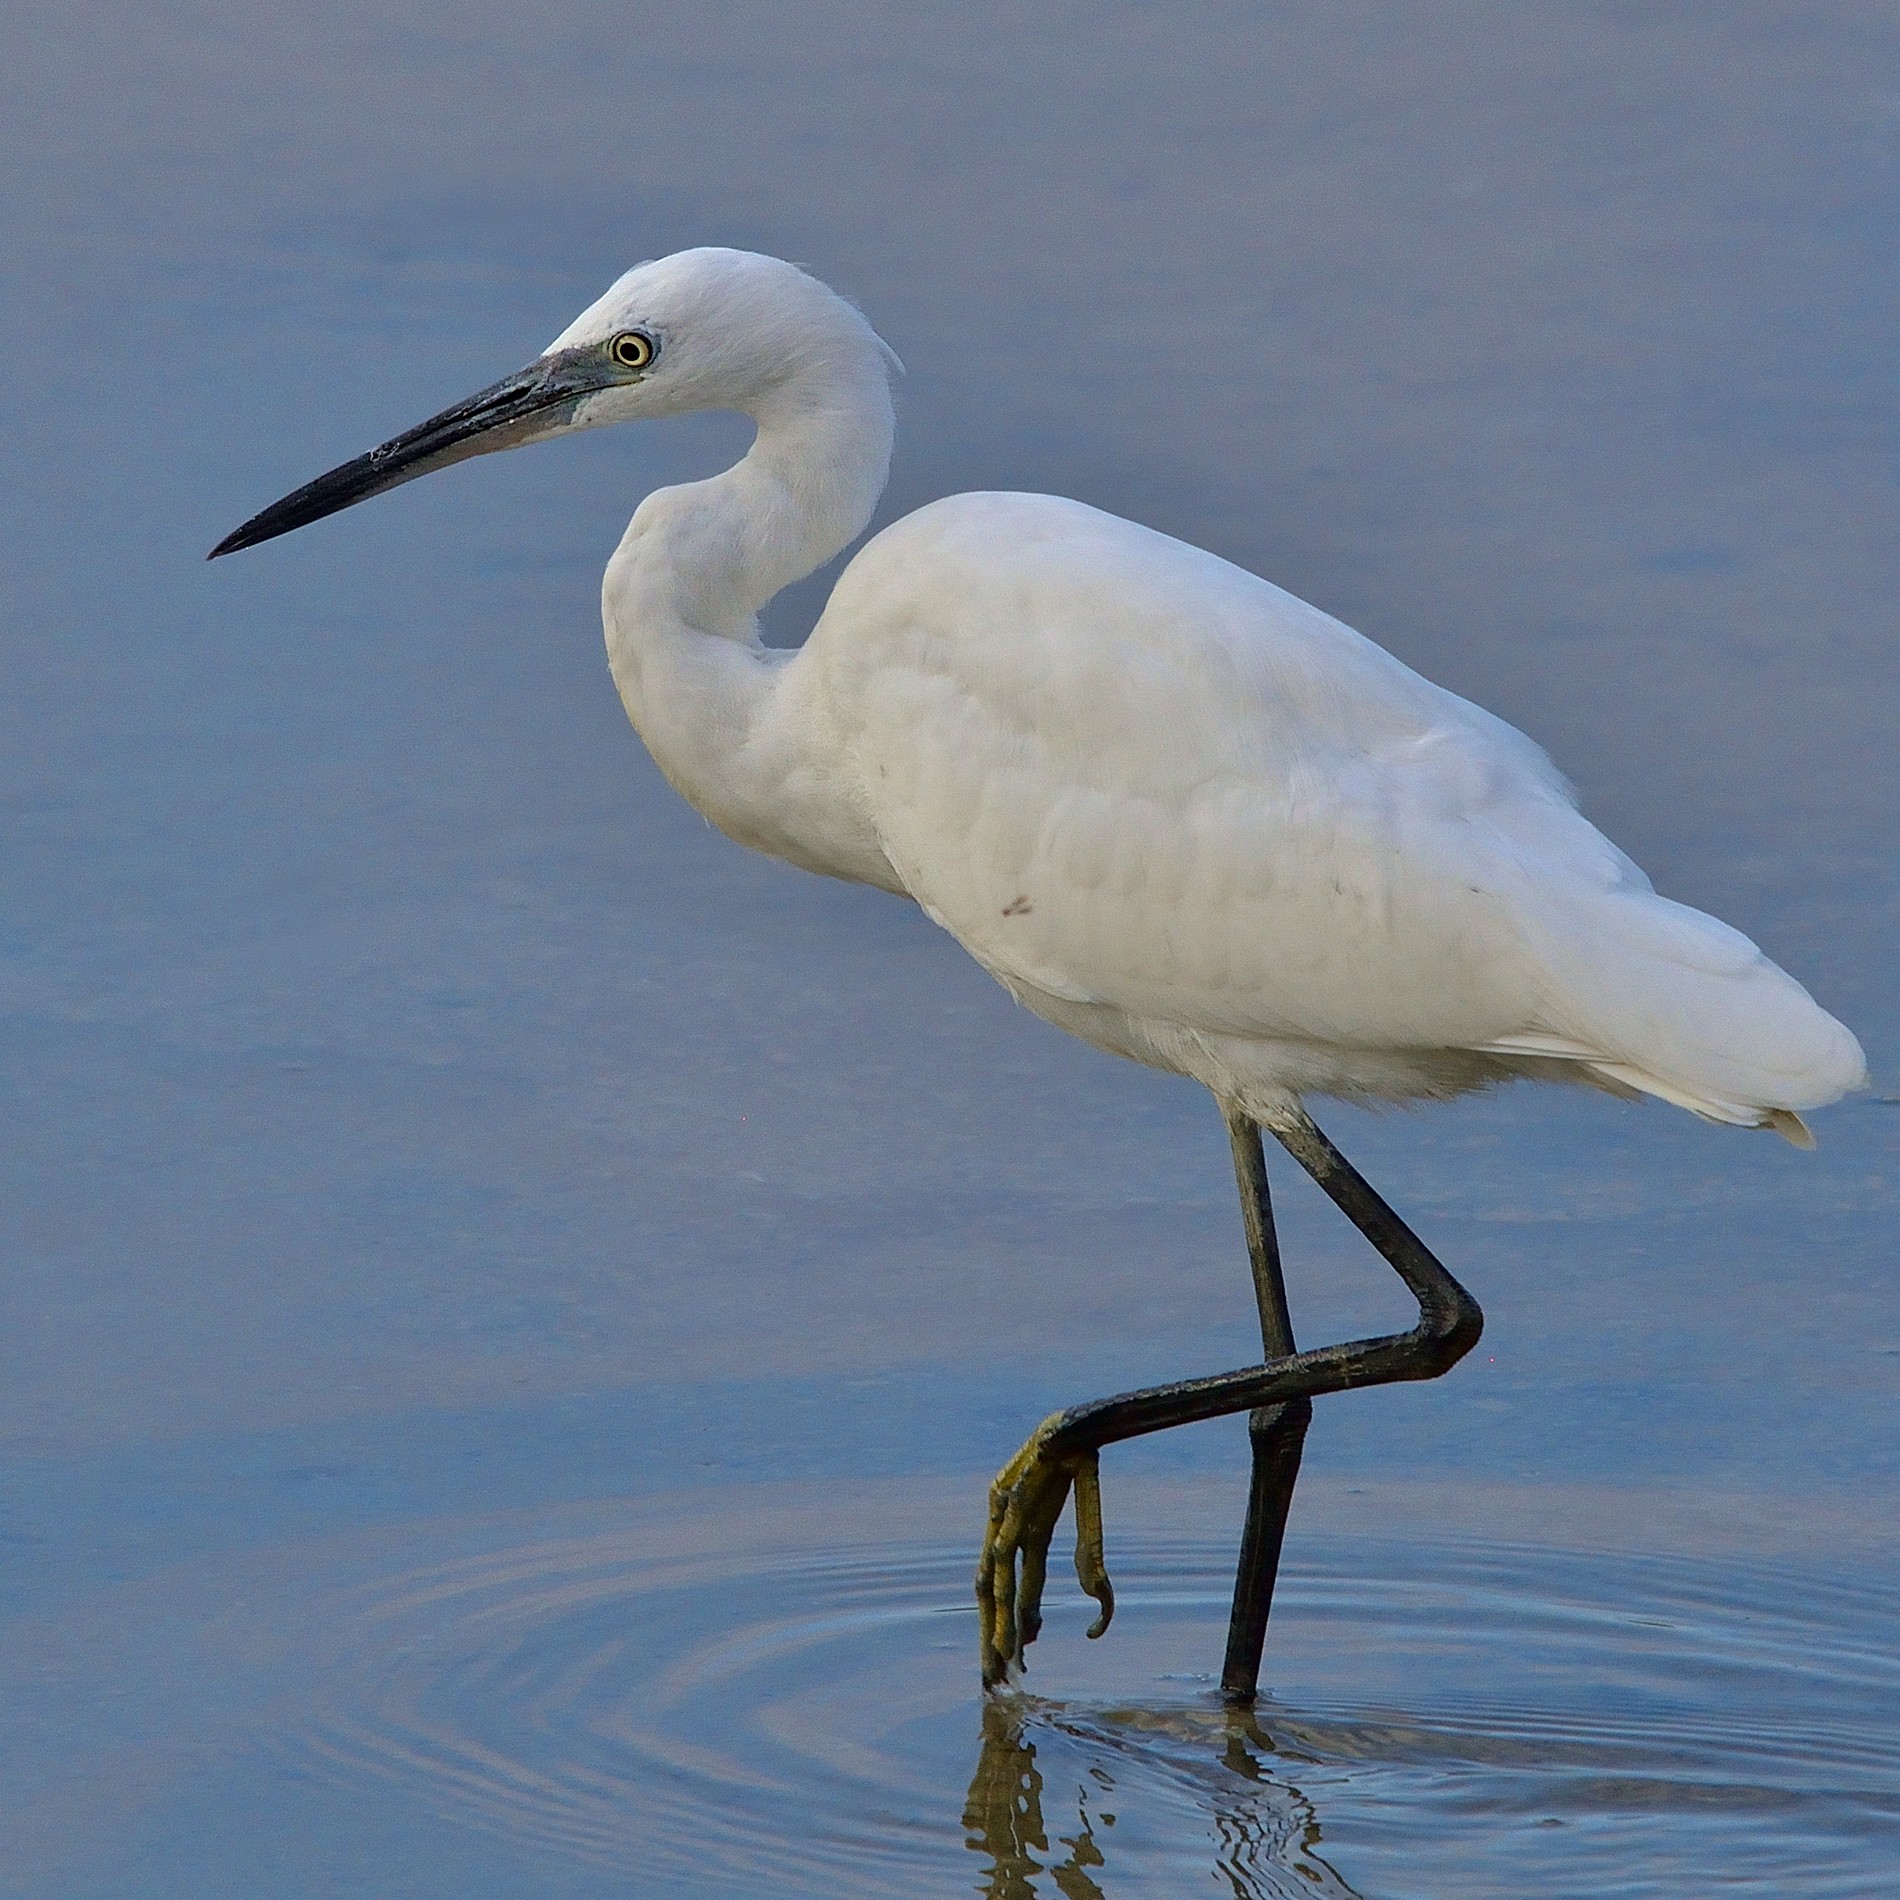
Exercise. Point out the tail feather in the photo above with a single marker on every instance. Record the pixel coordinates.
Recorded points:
(1652, 995)
(1791, 1128)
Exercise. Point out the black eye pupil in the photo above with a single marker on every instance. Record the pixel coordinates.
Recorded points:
(632, 351)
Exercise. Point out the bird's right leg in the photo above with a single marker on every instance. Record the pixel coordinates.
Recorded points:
(1276, 1433)
(1028, 1494)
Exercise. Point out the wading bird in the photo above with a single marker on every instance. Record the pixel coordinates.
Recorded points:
(1171, 808)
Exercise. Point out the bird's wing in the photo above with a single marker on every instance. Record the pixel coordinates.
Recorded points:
(1124, 771)
(1120, 770)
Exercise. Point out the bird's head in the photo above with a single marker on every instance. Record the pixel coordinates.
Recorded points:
(703, 329)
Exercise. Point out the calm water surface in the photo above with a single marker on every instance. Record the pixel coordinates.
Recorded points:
(508, 1305)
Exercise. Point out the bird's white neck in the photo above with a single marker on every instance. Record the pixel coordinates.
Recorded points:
(682, 594)
(709, 555)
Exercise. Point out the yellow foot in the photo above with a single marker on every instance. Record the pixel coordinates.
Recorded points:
(1025, 1502)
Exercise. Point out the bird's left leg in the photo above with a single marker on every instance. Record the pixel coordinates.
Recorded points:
(1028, 1494)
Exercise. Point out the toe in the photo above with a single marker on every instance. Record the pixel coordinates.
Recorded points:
(1091, 1560)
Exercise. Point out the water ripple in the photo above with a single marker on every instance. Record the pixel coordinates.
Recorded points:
(1448, 1721)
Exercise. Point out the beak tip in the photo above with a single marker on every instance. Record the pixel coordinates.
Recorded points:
(237, 539)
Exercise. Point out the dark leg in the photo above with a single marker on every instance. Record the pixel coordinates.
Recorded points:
(1029, 1492)
(1277, 1433)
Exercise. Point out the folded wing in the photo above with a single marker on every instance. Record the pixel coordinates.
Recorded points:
(1122, 771)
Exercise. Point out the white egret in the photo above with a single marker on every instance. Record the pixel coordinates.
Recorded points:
(1171, 808)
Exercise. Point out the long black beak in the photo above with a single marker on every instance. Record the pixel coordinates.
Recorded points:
(502, 416)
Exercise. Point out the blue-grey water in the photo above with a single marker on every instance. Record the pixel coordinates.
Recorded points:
(508, 1305)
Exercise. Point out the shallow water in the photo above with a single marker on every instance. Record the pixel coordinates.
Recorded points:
(768, 1689)
(798, 1723)
(507, 1305)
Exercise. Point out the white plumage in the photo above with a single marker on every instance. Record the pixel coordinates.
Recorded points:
(1172, 808)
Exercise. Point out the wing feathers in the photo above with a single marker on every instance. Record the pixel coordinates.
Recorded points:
(1127, 774)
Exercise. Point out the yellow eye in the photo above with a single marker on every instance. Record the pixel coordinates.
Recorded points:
(631, 349)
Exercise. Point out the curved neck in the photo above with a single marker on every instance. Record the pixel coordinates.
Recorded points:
(732, 725)
(708, 555)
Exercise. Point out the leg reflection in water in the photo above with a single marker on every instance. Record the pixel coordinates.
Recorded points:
(1003, 1817)
(1137, 1781)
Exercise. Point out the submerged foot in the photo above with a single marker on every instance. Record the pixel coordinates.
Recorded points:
(1025, 1502)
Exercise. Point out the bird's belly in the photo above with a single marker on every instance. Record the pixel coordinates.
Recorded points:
(1269, 1075)
(1273, 1074)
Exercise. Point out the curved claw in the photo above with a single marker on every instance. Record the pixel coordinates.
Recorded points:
(1091, 1560)
(1025, 1503)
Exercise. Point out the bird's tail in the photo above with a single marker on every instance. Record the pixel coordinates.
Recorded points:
(1650, 995)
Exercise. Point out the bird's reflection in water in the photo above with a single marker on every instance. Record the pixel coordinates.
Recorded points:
(1102, 1767)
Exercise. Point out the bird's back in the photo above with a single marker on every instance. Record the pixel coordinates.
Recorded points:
(1155, 794)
